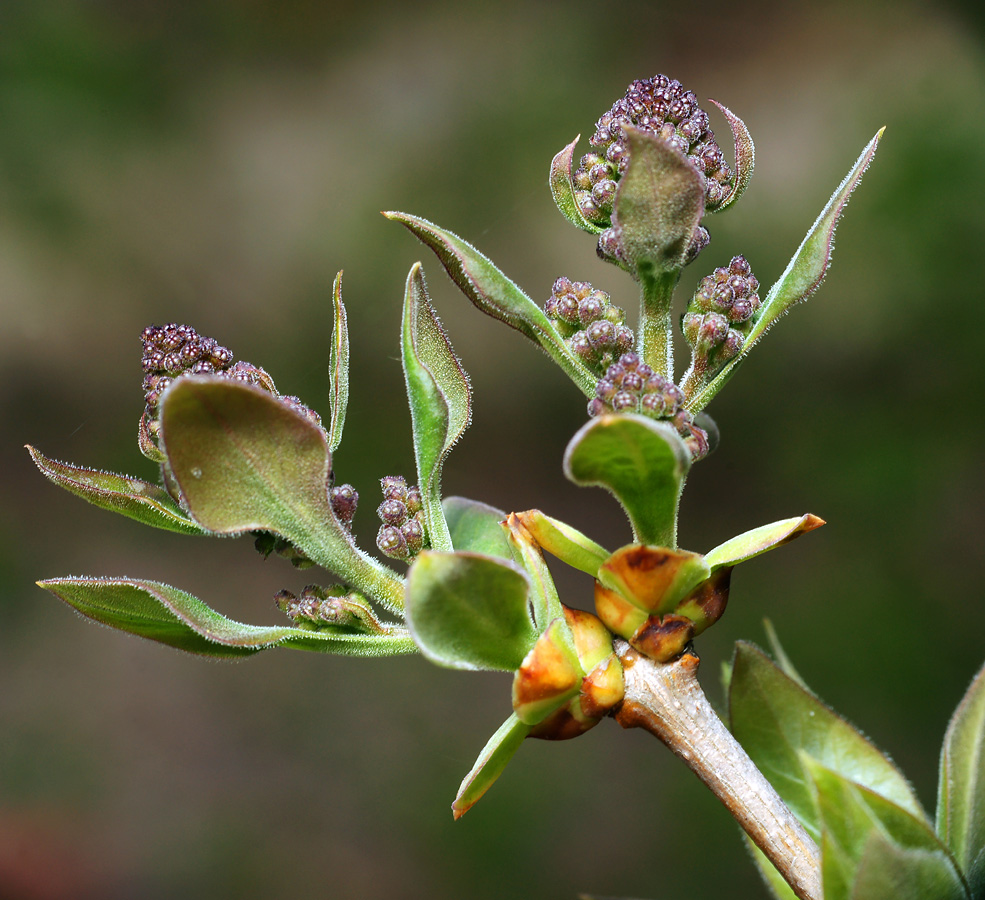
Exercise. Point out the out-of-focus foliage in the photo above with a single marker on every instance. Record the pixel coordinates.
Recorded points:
(217, 163)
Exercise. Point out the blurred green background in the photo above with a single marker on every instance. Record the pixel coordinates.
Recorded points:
(216, 163)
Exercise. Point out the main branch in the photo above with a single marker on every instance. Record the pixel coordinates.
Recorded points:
(667, 701)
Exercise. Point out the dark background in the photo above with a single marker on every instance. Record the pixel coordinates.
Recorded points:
(217, 163)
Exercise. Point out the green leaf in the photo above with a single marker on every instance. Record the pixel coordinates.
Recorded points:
(128, 496)
(439, 395)
(803, 274)
(493, 293)
(245, 461)
(774, 719)
(476, 527)
(745, 155)
(566, 543)
(489, 766)
(642, 463)
(162, 613)
(890, 872)
(780, 655)
(851, 817)
(338, 368)
(543, 594)
(469, 611)
(563, 189)
(759, 540)
(961, 794)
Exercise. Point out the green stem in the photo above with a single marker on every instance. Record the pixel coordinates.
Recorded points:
(656, 337)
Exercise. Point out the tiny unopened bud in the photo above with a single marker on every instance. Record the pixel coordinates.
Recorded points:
(392, 512)
(391, 542)
(344, 500)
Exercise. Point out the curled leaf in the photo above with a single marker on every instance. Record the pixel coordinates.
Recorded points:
(123, 494)
(476, 526)
(439, 395)
(164, 614)
(338, 368)
(496, 295)
(803, 275)
(563, 189)
(745, 155)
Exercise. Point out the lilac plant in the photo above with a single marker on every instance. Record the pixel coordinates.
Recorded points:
(827, 814)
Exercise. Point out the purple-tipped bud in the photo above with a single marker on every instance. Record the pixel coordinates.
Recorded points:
(414, 502)
(394, 487)
(344, 500)
(589, 322)
(413, 532)
(392, 512)
(403, 534)
(391, 542)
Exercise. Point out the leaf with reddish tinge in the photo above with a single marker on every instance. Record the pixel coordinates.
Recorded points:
(246, 461)
(961, 793)
(338, 368)
(469, 611)
(563, 189)
(642, 463)
(128, 496)
(489, 766)
(162, 613)
(745, 155)
(496, 295)
(549, 675)
(653, 579)
(760, 540)
(803, 275)
(439, 396)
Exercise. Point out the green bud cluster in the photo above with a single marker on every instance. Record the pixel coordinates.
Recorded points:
(266, 543)
(403, 534)
(719, 317)
(593, 328)
(631, 386)
(657, 106)
(336, 606)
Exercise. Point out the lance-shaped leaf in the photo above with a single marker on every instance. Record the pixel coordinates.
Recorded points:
(961, 793)
(439, 396)
(745, 155)
(563, 189)
(760, 540)
(642, 463)
(803, 274)
(338, 368)
(489, 766)
(245, 461)
(852, 817)
(774, 719)
(566, 543)
(128, 496)
(476, 527)
(496, 295)
(162, 613)
(469, 611)
(543, 594)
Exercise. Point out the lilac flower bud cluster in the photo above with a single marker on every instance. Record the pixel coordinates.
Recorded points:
(720, 315)
(657, 106)
(631, 386)
(335, 606)
(402, 534)
(593, 328)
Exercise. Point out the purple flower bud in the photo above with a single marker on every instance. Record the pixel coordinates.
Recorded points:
(392, 512)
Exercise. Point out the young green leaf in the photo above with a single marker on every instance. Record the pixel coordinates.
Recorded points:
(489, 766)
(439, 396)
(780, 655)
(563, 189)
(759, 540)
(162, 613)
(745, 155)
(469, 611)
(245, 461)
(128, 496)
(338, 368)
(888, 871)
(543, 594)
(801, 278)
(493, 293)
(961, 793)
(476, 527)
(774, 719)
(566, 543)
(852, 816)
(641, 462)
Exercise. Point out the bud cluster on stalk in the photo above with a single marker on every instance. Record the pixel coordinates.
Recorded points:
(336, 606)
(403, 534)
(719, 317)
(593, 328)
(657, 106)
(631, 386)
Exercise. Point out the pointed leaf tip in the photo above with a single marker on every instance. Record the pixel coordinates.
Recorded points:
(745, 155)
(338, 367)
(563, 189)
